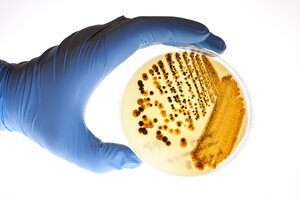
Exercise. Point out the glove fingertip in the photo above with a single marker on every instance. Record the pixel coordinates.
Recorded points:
(215, 43)
(132, 162)
(120, 156)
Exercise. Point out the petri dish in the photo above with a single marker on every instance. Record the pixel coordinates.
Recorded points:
(186, 112)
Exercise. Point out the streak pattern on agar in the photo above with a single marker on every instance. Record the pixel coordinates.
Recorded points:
(185, 88)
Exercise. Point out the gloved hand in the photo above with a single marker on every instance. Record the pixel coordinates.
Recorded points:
(45, 98)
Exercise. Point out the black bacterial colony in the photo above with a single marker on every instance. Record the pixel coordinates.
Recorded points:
(184, 113)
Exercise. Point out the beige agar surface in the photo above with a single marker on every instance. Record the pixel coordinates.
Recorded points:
(183, 113)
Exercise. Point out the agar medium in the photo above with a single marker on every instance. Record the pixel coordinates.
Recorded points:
(185, 112)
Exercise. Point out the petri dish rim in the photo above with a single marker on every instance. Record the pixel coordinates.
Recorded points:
(249, 116)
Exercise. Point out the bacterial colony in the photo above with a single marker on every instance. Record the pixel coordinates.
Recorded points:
(184, 113)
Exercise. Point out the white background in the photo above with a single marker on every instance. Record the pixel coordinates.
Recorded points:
(263, 40)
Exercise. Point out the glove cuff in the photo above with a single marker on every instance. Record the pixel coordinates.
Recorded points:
(5, 70)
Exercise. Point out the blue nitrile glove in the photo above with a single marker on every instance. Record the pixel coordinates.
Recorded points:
(45, 98)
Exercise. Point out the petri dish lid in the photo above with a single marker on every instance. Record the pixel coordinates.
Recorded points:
(186, 112)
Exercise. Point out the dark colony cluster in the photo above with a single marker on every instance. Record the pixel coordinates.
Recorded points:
(181, 81)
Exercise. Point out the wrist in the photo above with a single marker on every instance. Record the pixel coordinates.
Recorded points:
(5, 70)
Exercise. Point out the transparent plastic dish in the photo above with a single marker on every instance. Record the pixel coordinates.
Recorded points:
(186, 112)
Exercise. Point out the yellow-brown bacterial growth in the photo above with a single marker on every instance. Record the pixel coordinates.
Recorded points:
(184, 113)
